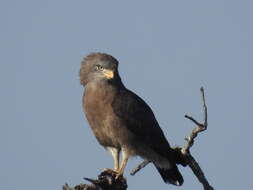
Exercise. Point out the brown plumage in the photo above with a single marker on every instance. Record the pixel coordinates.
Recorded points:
(121, 120)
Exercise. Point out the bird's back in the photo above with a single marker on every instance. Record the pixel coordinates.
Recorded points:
(140, 119)
(151, 142)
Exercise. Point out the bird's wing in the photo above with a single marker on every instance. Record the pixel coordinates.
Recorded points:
(139, 118)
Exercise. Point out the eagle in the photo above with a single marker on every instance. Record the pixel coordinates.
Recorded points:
(121, 121)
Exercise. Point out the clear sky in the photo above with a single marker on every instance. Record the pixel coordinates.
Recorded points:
(167, 51)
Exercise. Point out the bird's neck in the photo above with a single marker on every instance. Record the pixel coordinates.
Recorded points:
(103, 88)
(98, 94)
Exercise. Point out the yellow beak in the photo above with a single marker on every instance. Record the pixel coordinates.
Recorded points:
(108, 73)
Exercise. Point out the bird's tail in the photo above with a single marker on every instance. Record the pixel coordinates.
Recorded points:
(171, 175)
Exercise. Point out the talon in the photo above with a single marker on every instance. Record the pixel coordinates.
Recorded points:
(110, 172)
(119, 175)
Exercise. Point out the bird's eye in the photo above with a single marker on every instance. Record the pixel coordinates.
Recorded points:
(99, 67)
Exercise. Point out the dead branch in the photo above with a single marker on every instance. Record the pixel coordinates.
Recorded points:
(199, 126)
(106, 181)
(185, 151)
(139, 167)
(81, 186)
(193, 164)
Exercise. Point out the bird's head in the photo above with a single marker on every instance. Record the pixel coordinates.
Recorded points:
(98, 67)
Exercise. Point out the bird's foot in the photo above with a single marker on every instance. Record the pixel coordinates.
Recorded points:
(110, 171)
(119, 176)
(109, 178)
(116, 174)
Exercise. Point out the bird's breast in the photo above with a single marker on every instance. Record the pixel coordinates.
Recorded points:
(97, 105)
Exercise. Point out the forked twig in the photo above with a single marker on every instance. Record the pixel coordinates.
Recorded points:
(199, 128)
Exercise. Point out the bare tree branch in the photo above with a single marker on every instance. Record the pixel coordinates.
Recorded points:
(199, 128)
(107, 180)
(139, 167)
(81, 187)
(185, 151)
(192, 163)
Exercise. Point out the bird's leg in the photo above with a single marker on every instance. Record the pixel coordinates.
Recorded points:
(125, 157)
(115, 154)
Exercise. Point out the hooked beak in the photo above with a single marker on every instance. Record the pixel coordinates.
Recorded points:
(108, 73)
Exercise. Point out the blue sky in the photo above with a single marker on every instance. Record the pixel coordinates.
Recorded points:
(167, 51)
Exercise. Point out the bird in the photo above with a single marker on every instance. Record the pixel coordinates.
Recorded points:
(122, 122)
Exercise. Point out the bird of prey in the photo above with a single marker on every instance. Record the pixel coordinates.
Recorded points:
(121, 121)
